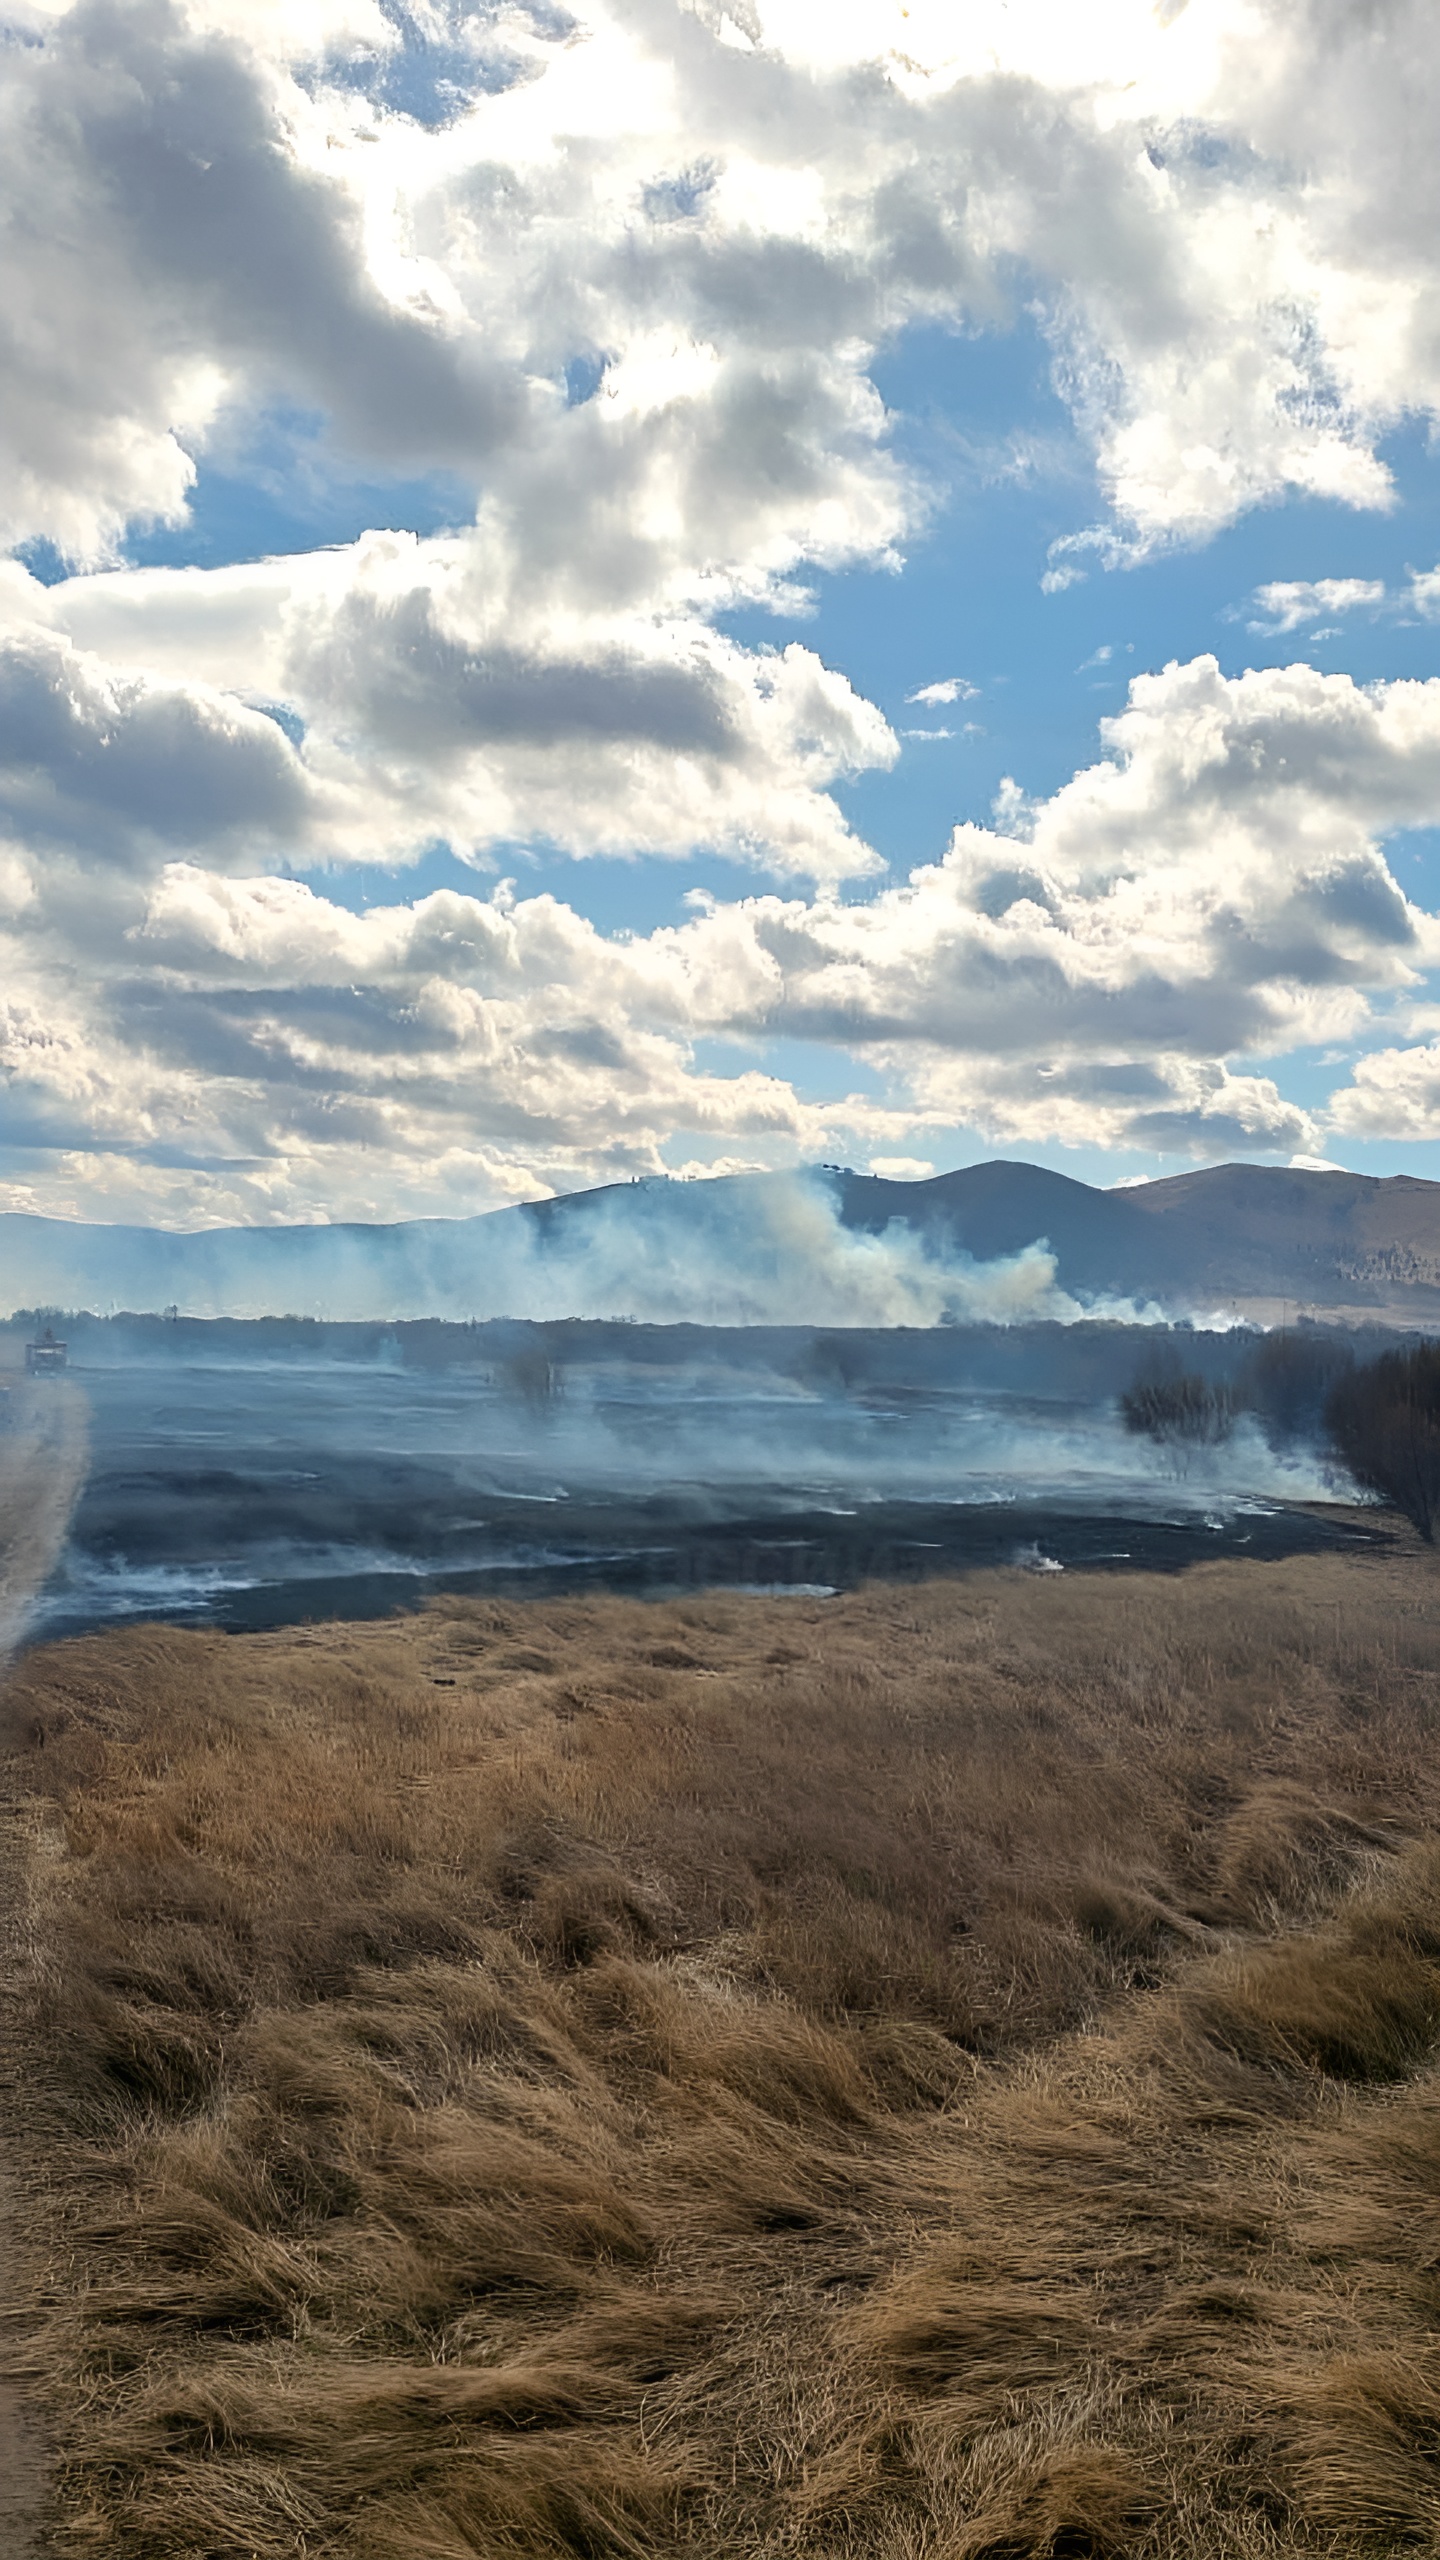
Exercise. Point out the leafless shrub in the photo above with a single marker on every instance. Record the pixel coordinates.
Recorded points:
(1288, 1378)
(1181, 1414)
(1384, 1422)
(530, 1375)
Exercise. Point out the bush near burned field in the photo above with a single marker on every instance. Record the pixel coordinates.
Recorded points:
(1384, 1423)
(1284, 1380)
(945, 2073)
(1287, 1380)
(1180, 1411)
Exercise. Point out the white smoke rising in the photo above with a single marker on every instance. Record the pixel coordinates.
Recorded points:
(43, 1455)
(772, 1250)
(791, 1262)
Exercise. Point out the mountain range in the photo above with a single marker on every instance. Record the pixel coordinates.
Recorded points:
(1195, 1241)
(992, 1241)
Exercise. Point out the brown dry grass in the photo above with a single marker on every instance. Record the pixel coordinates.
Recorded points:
(947, 2072)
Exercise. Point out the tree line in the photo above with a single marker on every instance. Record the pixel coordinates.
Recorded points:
(1379, 1418)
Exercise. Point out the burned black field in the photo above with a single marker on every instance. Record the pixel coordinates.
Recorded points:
(253, 1475)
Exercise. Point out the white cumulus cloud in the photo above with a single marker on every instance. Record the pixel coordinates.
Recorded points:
(1395, 1093)
(1287, 604)
(1124, 968)
(948, 689)
(624, 276)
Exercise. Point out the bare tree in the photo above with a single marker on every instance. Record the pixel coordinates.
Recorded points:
(533, 1377)
(1384, 1424)
(1182, 1413)
(1287, 1380)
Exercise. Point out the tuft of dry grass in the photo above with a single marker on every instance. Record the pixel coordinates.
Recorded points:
(949, 2072)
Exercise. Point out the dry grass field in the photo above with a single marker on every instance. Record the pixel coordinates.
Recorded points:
(943, 2074)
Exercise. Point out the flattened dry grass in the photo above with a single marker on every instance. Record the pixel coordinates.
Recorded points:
(946, 2072)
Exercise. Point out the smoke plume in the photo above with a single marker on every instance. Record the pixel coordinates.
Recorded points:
(43, 1452)
(765, 1249)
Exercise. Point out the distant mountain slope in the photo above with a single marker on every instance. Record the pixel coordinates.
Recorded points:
(1241, 1231)
(825, 1247)
(1338, 1236)
(1102, 1246)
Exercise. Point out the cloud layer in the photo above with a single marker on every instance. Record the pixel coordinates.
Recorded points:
(1228, 213)
(623, 272)
(1117, 964)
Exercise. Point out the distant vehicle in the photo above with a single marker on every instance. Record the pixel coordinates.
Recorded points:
(47, 1357)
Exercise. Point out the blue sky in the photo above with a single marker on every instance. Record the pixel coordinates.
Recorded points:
(512, 475)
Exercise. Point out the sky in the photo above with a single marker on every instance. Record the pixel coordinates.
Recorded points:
(671, 585)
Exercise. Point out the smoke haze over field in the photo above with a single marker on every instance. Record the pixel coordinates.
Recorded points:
(785, 1377)
(692, 1260)
(255, 1475)
(994, 1243)
(43, 1453)
(747, 1253)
